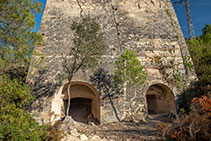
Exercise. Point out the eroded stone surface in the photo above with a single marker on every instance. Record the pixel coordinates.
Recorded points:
(148, 27)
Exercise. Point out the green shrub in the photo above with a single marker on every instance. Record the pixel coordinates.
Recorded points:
(200, 51)
(15, 123)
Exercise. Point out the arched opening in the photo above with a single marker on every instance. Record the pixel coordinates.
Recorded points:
(160, 99)
(80, 109)
(84, 103)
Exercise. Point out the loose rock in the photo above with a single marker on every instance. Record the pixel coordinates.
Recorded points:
(83, 137)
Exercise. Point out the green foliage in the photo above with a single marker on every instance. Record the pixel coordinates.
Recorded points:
(197, 89)
(129, 69)
(16, 43)
(178, 80)
(16, 37)
(200, 50)
(87, 50)
(168, 13)
(15, 123)
(14, 92)
(206, 29)
(88, 47)
(130, 72)
(188, 62)
(89, 43)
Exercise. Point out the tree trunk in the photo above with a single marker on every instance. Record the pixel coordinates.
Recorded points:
(190, 24)
(130, 103)
(68, 93)
(68, 104)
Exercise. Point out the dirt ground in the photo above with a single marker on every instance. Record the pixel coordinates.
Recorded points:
(125, 131)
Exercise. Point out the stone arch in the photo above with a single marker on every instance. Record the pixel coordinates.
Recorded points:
(85, 93)
(160, 99)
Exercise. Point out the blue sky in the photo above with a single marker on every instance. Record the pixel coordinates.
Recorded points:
(39, 17)
(200, 12)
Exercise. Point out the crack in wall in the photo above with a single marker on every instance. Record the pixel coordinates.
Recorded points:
(138, 4)
(80, 6)
(160, 5)
(116, 23)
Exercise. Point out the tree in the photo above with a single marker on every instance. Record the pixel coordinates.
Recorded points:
(87, 50)
(16, 37)
(200, 51)
(16, 43)
(15, 122)
(188, 13)
(206, 29)
(129, 70)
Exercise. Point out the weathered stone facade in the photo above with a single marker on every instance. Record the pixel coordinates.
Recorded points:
(148, 27)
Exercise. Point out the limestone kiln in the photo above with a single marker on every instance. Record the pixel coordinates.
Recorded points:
(148, 27)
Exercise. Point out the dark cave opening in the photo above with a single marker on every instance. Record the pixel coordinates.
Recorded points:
(80, 109)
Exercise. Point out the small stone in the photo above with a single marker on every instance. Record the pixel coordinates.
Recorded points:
(68, 119)
(95, 137)
(74, 132)
(70, 138)
(83, 137)
(93, 124)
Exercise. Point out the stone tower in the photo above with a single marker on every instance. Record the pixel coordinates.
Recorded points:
(148, 27)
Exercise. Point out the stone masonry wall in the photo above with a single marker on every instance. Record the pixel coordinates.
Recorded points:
(149, 27)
